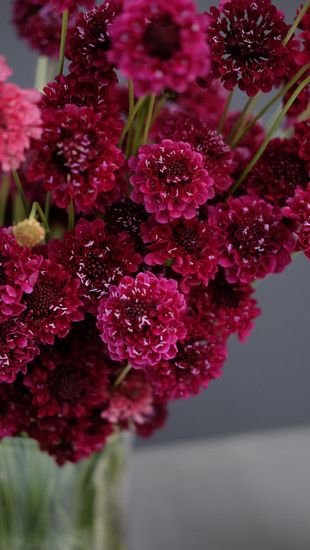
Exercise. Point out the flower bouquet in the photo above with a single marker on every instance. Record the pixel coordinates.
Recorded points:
(137, 211)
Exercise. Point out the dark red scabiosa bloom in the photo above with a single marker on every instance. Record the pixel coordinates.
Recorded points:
(13, 410)
(249, 144)
(127, 216)
(298, 209)
(68, 384)
(207, 103)
(195, 365)
(222, 309)
(75, 158)
(17, 349)
(279, 171)
(170, 180)
(131, 400)
(97, 258)
(217, 155)
(19, 272)
(71, 5)
(246, 40)
(160, 45)
(302, 136)
(89, 42)
(189, 247)
(141, 320)
(39, 24)
(255, 242)
(54, 303)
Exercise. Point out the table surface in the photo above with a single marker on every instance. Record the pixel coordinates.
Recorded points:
(248, 492)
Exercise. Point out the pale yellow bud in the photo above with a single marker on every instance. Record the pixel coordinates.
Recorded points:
(29, 232)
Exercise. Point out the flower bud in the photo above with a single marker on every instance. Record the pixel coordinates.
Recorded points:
(29, 232)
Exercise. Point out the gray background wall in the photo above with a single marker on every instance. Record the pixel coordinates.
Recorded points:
(266, 382)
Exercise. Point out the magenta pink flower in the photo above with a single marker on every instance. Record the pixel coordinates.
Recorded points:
(255, 241)
(217, 155)
(76, 158)
(126, 216)
(97, 258)
(20, 121)
(206, 103)
(154, 421)
(131, 400)
(54, 303)
(246, 40)
(160, 45)
(19, 272)
(71, 5)
(189, 247)
(141, 320)
(299, 209)
(5, 71)
(17, 349)
(170, 180)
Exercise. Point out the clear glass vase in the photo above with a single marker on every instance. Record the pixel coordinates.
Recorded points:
(74, 507)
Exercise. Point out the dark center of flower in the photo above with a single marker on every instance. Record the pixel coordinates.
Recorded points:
(95, 266)
(2, 271)
(250, 237)
(138, 313)
(224, 294)
(74, 153)
(287, 172)
(175, 171)
(125, 216)
(188, 240)
(67, 384)
(193, 358)
(161, 37)
(41, 301)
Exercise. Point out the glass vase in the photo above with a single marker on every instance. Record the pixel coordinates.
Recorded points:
(80, 506)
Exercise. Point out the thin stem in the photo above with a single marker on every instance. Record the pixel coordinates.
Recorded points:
(36, 208)
(122, 376)
(41, 76)
(4, 193)
(270, 134)
(64, 30)
(47, 206)
(131, 119)
(149, 119)
(225, 111)
(242, 120)
(71, 221)
(139, 129)
(21, 193)
(270, 103)
(131, 96)
(159, 107)
(298, 19)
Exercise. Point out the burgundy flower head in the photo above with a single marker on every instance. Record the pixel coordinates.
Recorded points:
(141, 320)
(131, 400)
(160, 45)
(302, 136)
(170, 180)
(97, 258)
(246, 40)
(255, 241)
(13, 410)
(189, 247)
(89, 42)
(279, 172)
(76, 158)
(206, 103)
(126, 216)
(53, 304)
(19, 272)
(298, 209)
(17, 349)
(217, 155)
(71, 5)
(154, 421)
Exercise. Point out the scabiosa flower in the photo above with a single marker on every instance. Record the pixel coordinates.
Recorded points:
(53, 304)
(131, 400)
(195, 365)
(98, 259)
(246, 40)
(5, 71)
(190, 247)
(279, 171)
(206, 103)
(20, 122)
(217, 155)
(89, 42)
(302, 136)
(255, 242)
(75, 158)
(141, 320)
(299, 209)
(71, 5)
(160, 45)
(17, 349)
(153, 421)
(13, 410)
(19, 272)
(127, 216)
(170, 180)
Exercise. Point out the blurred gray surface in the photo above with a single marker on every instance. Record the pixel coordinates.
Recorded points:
(240, 493)
(266, 381)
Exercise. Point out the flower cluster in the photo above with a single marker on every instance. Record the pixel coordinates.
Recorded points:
(145, 214)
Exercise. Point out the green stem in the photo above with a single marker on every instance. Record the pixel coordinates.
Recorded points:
(64, 30)
(122, 376)
(41, 77)
(131, 119)
(36, 208)
(71, 222)
(270, 103)
(131, 96)
(159, 107)
(242, 119)
(47, 206)
(269, 135)
(4, 193)
(149, 119)
(225, 111)
(139, 129)
(298, 19)
(21, 193)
